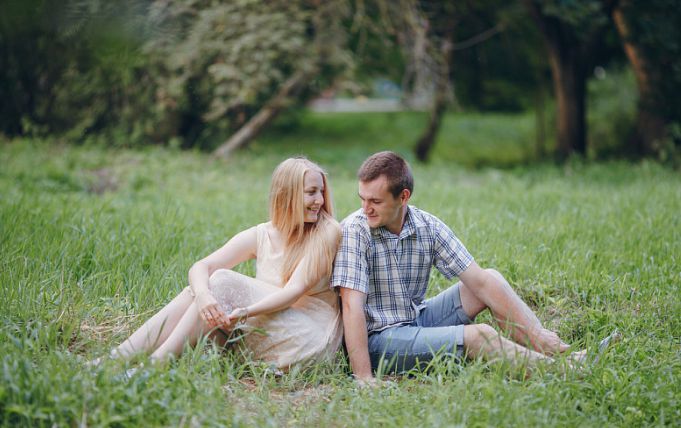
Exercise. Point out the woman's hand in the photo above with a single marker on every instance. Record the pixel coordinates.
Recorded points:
(210, 312)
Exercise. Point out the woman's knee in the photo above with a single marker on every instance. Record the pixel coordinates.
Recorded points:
(221, 277)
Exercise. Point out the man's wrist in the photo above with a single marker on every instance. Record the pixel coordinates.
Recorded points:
(363, 376)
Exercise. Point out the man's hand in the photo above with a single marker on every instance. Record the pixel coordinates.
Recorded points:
(364, 382)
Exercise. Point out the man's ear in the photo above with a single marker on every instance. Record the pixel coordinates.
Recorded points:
(404, 196)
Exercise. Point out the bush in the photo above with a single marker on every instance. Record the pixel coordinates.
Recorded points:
(611, 111)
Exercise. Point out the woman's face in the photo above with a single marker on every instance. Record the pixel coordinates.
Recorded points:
(313, 191)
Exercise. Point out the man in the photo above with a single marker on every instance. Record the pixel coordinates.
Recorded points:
(382, 269)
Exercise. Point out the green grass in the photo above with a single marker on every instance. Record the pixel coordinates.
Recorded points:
(93, 240)
(468, 139)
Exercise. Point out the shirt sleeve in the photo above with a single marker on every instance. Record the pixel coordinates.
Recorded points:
(351, 266)
(451, 257)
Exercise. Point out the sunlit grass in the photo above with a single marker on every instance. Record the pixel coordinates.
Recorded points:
(94, 240)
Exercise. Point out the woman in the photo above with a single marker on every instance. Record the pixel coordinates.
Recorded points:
(288, 312)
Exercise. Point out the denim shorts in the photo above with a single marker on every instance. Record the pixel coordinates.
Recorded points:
(437, 329)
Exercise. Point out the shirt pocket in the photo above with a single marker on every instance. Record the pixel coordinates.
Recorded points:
(415, 266)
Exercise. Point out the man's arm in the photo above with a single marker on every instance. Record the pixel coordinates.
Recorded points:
(356, 337)
(509, 309)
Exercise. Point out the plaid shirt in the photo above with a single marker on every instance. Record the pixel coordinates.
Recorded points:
(393, 271)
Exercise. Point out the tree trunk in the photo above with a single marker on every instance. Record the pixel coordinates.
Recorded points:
(267, 113)
(427, 140)
(568, 65)
(540, 118)
(569, 83)
(650, 127)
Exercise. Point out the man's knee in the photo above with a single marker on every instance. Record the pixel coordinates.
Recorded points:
(477, 334)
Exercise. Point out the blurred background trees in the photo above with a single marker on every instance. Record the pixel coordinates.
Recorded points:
(212, 74)
(649, 32)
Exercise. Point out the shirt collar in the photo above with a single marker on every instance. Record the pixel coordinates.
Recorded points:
(408, 228)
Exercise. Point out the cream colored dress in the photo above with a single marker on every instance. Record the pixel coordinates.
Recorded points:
(308, 331)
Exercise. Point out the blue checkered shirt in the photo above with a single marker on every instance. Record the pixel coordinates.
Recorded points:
(393, 271)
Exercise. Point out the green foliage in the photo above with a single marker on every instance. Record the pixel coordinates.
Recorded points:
(188, 73)
(505, 71)
(74, 68)
(30, 64)
(217, 62)
(162, 72)
(611, 110)
(94, 240)
(578, 13)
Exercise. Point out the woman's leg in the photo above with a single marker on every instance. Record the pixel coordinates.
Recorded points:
(229, 288)
(188, 330)
(157, 329)
(180, 322)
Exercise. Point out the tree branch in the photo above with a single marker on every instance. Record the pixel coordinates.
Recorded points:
(266, 114)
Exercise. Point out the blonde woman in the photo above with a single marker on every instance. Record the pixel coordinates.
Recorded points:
(288, 311)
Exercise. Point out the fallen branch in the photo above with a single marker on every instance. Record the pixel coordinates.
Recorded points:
(270, 110)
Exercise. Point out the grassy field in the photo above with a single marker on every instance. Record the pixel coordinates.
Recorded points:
(92, 241)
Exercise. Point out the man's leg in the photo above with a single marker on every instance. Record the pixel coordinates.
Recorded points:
(544, 341)
(444, 326)
(482, 340)
(401, 348)
(439, 327)
(479, 340)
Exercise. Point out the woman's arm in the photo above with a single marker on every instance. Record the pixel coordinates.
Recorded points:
(307, 273)
(240, 248)
(292, 291)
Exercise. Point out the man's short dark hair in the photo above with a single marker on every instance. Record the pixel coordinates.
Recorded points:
(395, 169)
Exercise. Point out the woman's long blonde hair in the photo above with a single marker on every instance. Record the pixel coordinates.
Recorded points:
(316, 241)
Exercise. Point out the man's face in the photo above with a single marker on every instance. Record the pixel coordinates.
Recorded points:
(380, 206)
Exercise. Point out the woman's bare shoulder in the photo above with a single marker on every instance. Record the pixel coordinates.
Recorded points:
(332, 232)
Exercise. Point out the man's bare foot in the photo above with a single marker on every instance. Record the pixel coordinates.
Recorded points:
(582, 357)
(548, 342)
